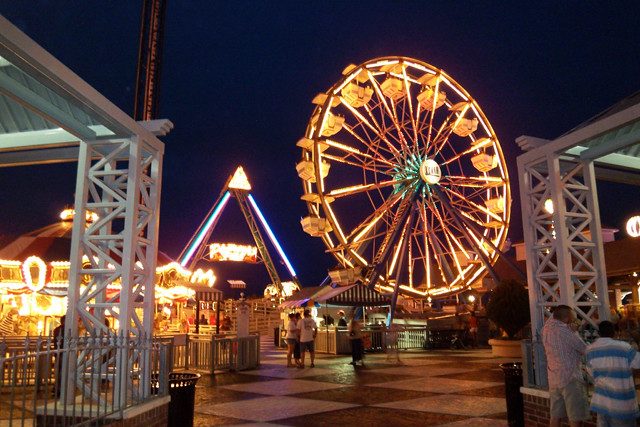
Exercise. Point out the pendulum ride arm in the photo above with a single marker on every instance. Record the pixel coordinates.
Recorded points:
(192, 253)
(241, 196)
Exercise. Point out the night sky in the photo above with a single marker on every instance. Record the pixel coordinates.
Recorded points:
(238, 78)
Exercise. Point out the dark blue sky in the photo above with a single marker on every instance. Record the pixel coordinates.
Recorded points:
(238, 78)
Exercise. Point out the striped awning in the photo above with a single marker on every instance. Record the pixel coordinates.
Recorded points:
(352, 295)
(356, 295)
(208, 294)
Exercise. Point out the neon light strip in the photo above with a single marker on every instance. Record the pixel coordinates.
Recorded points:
(214, 215)
(271, 236)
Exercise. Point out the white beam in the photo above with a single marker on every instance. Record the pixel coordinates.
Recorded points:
(569, 140)
(26, 54)
(43, 107)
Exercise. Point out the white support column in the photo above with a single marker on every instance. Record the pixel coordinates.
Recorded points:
(122, 185)
(534, 191)
(560, 232)
(565, 261)
(595, 227)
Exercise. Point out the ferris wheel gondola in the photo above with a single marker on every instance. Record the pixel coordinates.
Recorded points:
(404, 178)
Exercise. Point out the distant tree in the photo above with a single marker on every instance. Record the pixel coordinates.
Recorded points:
(509, 307)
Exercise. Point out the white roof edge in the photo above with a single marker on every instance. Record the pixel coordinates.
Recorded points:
(585, 133)
(51, 68)
(158, 127)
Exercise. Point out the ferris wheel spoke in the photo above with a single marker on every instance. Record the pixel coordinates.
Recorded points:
(357, 153)
(467, 151)
(425, 242)
(447, 234)
(355, 189)
(390, 111)
(377, 130)
(471, 218)
(370, 145)
(473, 204)
(442, 138)
(365, 226)
(399, 252)
(410, 260)
(370, 166)
(472, 181)
(410, 104)
(436, 93)
(438, 255)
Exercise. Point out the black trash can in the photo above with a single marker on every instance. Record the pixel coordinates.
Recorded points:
(182, 389)
(513, 382)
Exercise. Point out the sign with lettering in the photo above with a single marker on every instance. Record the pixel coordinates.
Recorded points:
(233, 252)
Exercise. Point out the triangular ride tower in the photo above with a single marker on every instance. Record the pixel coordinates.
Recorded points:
(238, 187)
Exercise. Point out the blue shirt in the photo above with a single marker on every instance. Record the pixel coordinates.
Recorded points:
(611, 362)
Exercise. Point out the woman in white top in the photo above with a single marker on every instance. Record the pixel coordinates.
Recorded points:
(291, 338)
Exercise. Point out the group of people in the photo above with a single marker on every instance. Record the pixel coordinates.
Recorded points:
(301, 333)
(609, 363)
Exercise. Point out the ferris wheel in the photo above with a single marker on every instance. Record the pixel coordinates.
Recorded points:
(404, 179)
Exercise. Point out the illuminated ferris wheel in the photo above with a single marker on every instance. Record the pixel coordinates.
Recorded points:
(404, 179)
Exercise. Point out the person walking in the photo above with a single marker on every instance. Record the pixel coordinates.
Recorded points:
(308, 330)
(473, 329)
(291, 338)
(611, 362)
(564, 350)
(296, 348)
(355, 336)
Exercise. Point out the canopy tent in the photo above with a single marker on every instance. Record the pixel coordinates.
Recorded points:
(301, 298)
(353, 295)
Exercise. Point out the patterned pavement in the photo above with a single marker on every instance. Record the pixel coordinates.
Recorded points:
(427, 388)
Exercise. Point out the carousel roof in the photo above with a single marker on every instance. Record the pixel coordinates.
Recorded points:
(50, 243)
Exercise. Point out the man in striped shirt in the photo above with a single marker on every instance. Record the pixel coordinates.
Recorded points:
(564, 350)
(611, 362)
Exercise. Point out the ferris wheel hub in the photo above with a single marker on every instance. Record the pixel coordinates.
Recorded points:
(430, 171)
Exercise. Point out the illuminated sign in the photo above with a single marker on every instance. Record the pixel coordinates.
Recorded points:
(633, 226)
(430, 171)
(233, 252)
(239, 181)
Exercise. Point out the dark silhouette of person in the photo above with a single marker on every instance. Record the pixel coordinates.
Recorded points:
(203, 320)
(58, 342)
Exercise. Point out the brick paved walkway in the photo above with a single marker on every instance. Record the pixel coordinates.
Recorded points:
(427, 388)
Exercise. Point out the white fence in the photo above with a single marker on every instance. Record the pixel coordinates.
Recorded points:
(33, 376)
(208, 353)
(334, 340)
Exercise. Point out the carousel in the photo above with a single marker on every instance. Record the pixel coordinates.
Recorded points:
(34, 279)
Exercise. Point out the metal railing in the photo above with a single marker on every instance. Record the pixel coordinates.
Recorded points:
(49, 381)
(396, 338)
(210, 353)
(334, 340)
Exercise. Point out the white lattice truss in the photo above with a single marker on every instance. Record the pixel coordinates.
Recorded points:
(565, 261)
(120, 181)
